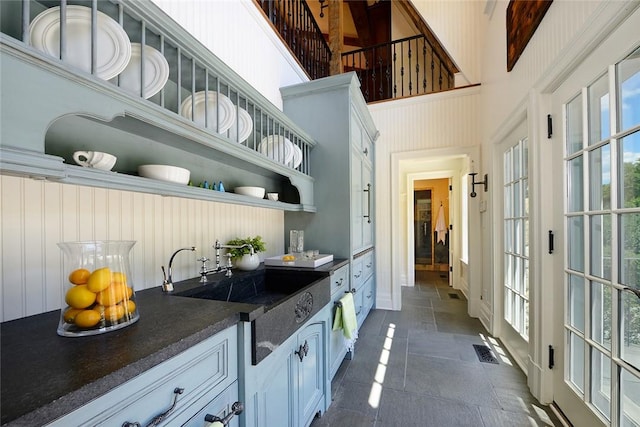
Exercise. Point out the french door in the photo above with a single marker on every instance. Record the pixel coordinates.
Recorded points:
(597, 377)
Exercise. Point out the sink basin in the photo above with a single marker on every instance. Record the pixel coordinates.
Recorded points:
(289, 298)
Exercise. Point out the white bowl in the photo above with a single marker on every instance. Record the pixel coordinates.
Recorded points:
(272, 196)
(250, 191)
(165, 173)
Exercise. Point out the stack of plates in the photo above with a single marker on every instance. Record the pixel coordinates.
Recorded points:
(216, 104)
(112, 43)
(156, 71)
(246, 126)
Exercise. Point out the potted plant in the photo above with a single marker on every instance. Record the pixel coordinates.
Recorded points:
(241, 253)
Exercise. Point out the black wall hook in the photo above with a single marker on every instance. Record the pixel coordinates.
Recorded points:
(474, 183)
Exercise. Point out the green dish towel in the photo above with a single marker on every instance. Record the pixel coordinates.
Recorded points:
(345, 317)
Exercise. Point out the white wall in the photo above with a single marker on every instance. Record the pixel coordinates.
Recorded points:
(237, 32)
(460, 26)
(431, 124)
(35, 215)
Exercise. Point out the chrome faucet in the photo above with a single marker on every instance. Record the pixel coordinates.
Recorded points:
(167, 283)
(218, 268)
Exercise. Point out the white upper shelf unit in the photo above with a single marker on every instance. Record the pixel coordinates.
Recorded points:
(124, 78)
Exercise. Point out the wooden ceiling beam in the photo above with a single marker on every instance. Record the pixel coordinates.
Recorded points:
(358, 9)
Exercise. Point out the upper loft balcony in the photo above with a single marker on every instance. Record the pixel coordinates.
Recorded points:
(331, 37)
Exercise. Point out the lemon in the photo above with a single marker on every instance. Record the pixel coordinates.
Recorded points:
(129, 306)
(87, 318)
(112, 295)
(79, 276)
(113, 313)
(118, 277)
(99, 280)
(79, 297)
(70, 314)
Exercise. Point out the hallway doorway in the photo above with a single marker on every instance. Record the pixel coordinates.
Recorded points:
(431, 224)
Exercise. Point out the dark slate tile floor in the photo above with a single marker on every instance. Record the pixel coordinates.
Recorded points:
(418, 367)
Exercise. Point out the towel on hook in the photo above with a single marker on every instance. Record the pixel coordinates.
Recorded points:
(345, 320)
(345, 317)
(441, 227)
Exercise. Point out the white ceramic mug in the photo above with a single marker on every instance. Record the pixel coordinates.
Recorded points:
(95, 159)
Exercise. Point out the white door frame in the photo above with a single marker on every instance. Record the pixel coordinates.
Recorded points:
(453, 203)
(399, 231)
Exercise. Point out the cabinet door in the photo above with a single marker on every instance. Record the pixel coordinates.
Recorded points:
(357, 197)
(367, 205)
(277, 394)
(310, 371)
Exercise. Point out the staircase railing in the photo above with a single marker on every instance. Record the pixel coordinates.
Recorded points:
(401, 68)
(296, 25)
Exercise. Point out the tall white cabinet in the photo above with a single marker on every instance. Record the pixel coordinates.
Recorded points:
(333, 111)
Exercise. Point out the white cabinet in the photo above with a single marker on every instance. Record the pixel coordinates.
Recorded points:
(337, 347)
(39, 133)
(361, 187)
(291, 385)
(202, 379)
(333, 111)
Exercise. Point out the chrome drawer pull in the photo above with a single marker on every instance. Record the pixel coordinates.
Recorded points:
(158, 418)
(340, 282)
(236, 409)
(358, 275)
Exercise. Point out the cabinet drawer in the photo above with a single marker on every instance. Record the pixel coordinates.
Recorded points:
(206, 368)
(357, 273)
(218, 405)
(368, 265)
(339, 282)
(366, 300)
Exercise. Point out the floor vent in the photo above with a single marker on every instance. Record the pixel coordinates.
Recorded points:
(485, 354)
(454, 296)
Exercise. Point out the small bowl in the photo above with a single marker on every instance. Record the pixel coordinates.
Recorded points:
(250, 191)
(165, 173)
(272, 196)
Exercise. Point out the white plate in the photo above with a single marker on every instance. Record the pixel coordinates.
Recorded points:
(297, 157)
(156, 71)
(246, 126)
(227, 110)
(277, 147)
(113, 45)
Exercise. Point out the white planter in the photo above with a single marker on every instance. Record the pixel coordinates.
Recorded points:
(247, 262)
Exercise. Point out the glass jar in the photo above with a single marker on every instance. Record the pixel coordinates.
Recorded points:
(98, 295)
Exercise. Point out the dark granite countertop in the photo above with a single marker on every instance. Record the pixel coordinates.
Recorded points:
(45, 376)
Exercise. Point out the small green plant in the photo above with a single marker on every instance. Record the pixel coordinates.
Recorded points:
(257, 243)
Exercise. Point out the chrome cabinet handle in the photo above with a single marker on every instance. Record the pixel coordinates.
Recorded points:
(365, 151)
(369, 265)
(358, 275)
(340, 282)
(368, 215)
(236, 409)
(158, 418)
